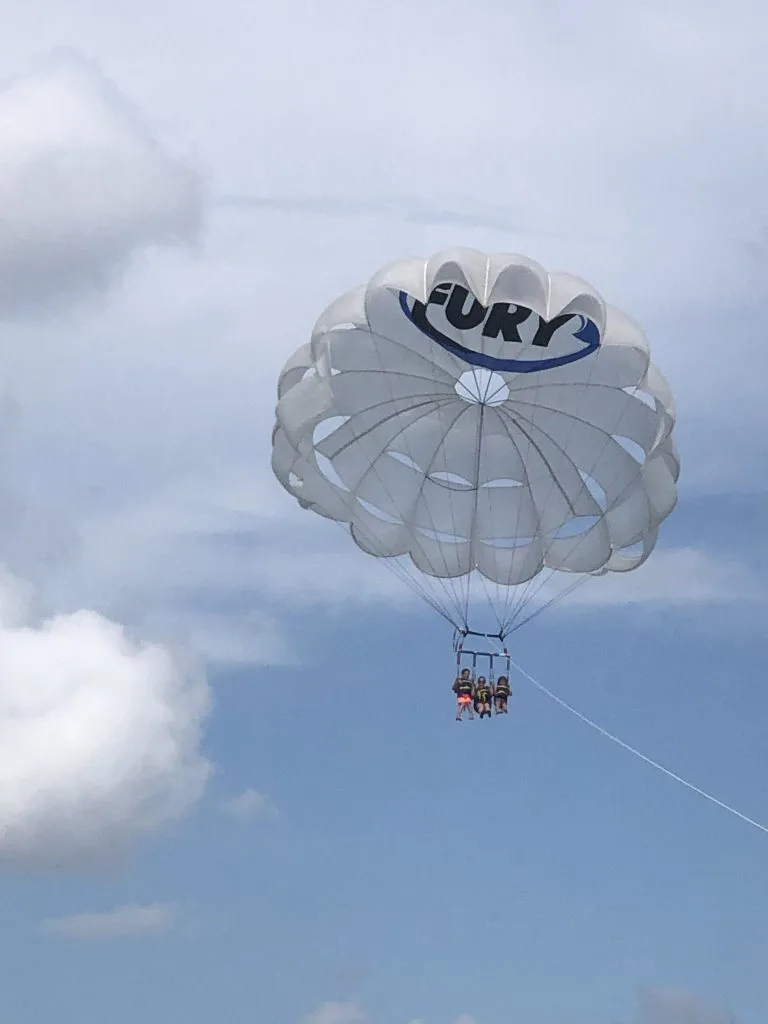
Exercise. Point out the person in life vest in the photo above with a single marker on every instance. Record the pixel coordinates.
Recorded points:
(483, 694)
(464, 688)
(501, 694)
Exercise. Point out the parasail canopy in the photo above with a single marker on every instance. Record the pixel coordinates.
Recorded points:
(484, 426)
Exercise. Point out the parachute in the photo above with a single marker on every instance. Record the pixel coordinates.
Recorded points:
(495, 433)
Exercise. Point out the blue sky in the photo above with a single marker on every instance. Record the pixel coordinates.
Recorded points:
(231, 786)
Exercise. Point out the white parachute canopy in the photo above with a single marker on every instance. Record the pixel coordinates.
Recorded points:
(482, 425)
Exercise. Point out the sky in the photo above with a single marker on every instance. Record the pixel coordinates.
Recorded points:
(231, 786)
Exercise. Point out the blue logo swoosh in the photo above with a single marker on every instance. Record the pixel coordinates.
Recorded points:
(588, 333)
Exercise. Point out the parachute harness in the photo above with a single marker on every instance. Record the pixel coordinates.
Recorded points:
(493, 657)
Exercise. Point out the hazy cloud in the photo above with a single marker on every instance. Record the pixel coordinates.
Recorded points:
(338, 1013)
(675, 1006)
(124, 922)
(250, 805)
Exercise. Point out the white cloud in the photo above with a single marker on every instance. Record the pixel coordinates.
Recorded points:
(466, 1018)
(250, 805)
(83, 186)
(675, 576)
(99, 736)
(124, 922)
(337, 1013)
(216, 565)
(675, 1006)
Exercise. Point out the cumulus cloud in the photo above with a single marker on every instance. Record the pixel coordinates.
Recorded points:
(338, 1013)
(675, 1006)
(249, 805)
(131, 921)
(83, 186)
(99, 735)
